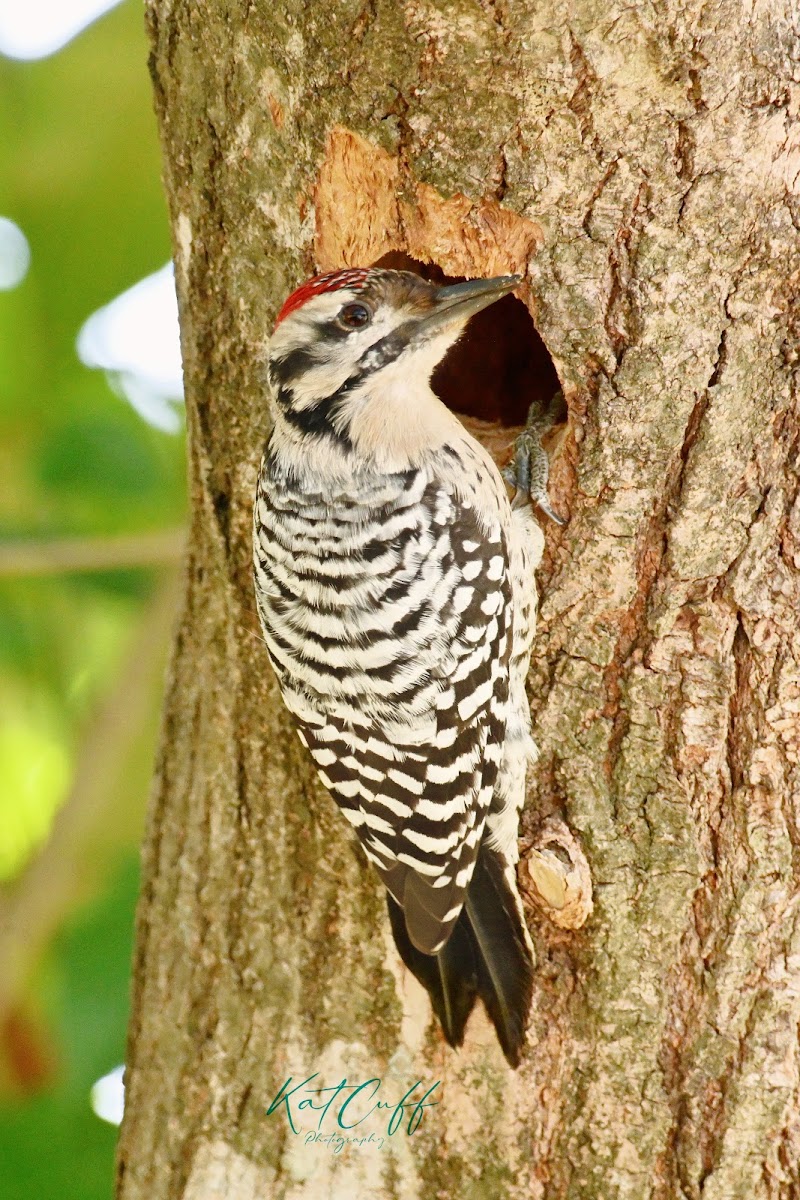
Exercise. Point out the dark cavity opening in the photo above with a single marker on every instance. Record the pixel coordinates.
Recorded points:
(499, 367)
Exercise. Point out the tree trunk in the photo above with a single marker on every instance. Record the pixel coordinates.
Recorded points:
(639, 166)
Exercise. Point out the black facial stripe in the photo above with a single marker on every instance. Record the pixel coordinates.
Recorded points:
(377, 356)
(320, 418)
(317, 420)
(283, 370)
(382, 352)
(296, 362)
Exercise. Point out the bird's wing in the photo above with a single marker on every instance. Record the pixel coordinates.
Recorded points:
(417, 786)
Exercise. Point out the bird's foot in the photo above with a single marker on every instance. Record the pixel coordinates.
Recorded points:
(529, 469)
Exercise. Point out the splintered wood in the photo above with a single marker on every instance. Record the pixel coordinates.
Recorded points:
(368, 212)
(366, 209)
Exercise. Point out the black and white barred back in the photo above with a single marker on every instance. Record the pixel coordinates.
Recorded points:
(385, 610)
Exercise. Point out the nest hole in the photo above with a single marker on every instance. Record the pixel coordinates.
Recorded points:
(498, 368)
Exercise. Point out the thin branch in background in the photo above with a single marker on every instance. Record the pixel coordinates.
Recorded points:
(91, 554)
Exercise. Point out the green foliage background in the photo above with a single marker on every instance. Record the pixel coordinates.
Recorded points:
(80, 176)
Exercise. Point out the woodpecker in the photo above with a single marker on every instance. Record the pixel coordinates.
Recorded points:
(395, 589)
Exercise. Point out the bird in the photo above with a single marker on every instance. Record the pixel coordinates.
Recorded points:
(394, 581)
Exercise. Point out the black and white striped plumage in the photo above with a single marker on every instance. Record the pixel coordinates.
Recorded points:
(396, 594)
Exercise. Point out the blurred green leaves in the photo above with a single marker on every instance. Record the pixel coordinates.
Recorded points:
(52, 1146)
(81, 178)
(36, 770)
(78, 705)
(92, 459)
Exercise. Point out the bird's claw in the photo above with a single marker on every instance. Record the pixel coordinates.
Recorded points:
(542, 502)
(529, 469)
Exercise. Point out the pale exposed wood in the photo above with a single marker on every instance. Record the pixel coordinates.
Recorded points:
(365, 206)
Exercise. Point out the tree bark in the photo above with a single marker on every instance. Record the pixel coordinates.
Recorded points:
(639, 165)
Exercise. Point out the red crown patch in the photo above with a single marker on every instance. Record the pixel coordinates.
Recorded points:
(354, 277)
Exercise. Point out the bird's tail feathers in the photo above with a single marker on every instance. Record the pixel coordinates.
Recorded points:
(503, 950)
(450, 977)
(488, 954)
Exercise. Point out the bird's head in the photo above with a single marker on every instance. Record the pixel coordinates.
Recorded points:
(353, 351)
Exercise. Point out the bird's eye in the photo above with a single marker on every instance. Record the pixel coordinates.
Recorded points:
(354, 316)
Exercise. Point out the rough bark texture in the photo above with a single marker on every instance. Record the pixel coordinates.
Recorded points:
(639, 164)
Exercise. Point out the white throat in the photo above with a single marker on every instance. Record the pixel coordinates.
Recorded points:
(395, 422)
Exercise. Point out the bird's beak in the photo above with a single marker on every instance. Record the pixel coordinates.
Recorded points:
(456, 303)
